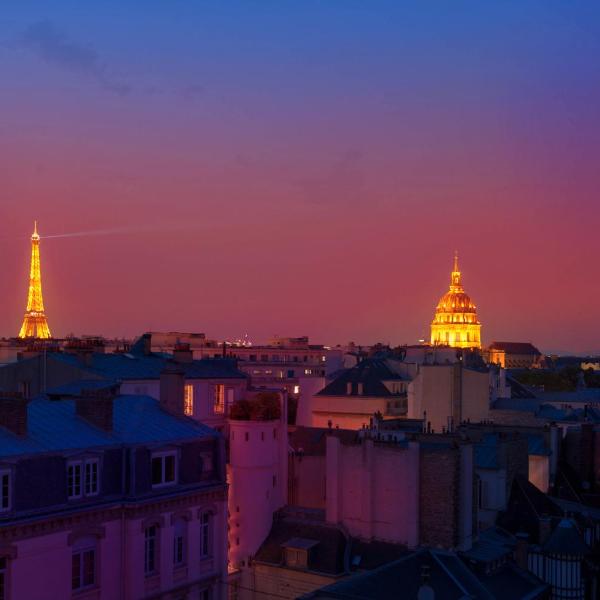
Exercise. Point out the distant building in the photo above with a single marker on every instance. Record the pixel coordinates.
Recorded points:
(455, 322)
(210, 386)
(106, 496)
(351, 399)
(514, 355)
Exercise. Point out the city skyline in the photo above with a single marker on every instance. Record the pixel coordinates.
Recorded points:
(325, 191)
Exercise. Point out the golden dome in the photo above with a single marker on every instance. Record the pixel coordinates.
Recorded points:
(455, 322)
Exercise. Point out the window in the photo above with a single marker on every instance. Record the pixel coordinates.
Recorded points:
(219, 401)
(4, 492)
(74, 480)
(83, 478)
(296, 558)
(3, 577)
(290, 373)
(205, 535)
(151, 550)
(91, 477)
(188, 400)
(163, 469)
(83, 564)
(179, 542)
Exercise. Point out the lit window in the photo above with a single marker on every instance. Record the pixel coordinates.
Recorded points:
(219, 401)
(4, 492)
(150, 547)
(296, 389)
(83, 564)
(163, 469)
(205, 535)
(179, 542)
(188, 400)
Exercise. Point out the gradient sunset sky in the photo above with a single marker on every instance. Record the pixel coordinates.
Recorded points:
(303, 168)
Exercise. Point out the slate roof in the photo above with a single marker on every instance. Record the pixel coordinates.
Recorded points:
(129, 366)
(515, 348)
(76, 388)
(566, 539)
(518, 390)
(53, 426)
(526, 505)
(486, 452)
(371, 372)
(536, 445)
(325, 557)
(449, 578)
(492, 544)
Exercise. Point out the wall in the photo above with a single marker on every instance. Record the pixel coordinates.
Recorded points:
(373, 490)
(258, 483)
(539, 472)
(120, 553)
(447, 392)
(346, 412)
(308, 481)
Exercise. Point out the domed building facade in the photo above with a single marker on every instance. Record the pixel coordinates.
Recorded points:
(455, 322)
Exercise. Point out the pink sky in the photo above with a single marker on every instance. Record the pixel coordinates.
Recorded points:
(274, 183)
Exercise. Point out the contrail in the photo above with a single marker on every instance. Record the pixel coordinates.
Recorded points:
(120, 230)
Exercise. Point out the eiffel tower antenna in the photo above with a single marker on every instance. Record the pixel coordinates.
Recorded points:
(35, 324)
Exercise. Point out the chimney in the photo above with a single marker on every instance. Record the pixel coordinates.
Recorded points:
(521, 550)
(172, 385)
(96, 407)
(147, 344)
(182, 353)
(13, 413)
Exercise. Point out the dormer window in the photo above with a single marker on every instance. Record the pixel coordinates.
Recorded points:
(83, 478)
(163, 469)
(5, 489)
(297, 552)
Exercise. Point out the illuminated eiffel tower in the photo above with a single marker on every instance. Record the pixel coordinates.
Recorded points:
(35, 324)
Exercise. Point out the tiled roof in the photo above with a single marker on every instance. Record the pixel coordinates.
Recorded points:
(371, 372)
(52, 425)
(515, 347)
(125, 367)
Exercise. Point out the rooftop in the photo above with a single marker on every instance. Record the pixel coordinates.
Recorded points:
(52, 425)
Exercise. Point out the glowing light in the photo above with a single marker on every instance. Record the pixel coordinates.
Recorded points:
(35, 324)
(455, 322)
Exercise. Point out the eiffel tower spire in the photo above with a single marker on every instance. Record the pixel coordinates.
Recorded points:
(35, 324)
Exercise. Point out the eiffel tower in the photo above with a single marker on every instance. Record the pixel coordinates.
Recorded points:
(35, 324)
